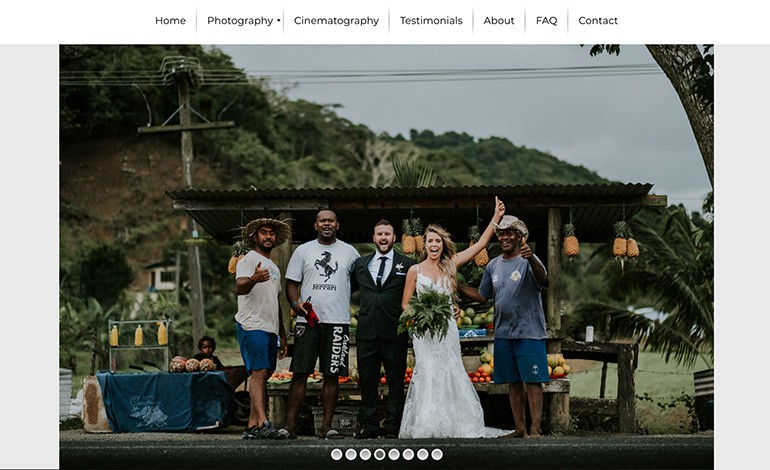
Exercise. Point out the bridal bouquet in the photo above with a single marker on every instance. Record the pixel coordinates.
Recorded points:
(428, 313)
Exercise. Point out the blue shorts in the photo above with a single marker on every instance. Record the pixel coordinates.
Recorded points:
(520, 360)
(259, 349)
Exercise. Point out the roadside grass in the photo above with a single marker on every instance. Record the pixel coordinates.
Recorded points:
(660, 386)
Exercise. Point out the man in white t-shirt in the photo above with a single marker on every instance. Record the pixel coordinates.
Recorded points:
(259, 324)
(319, 272)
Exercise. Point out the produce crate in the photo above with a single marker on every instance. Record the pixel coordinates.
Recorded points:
(472, 333)
(344, 421)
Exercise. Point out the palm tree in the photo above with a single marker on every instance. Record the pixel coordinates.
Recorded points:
(676, 274)
(413, 174)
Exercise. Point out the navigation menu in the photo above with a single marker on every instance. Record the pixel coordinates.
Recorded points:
(381, 22)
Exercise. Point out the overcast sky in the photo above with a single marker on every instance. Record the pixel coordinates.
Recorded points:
(628, 128)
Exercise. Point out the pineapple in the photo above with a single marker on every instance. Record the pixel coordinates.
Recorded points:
(162, 334)
(571, 246)
(619, 246)
(632, 248)
(239, 251)
(417, 231)
(114, 336)
(138, 336)
(482, 257)
(407, 239)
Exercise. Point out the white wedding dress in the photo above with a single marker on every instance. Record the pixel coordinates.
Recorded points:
(441, 400)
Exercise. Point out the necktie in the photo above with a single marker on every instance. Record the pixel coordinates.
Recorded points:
(381, 271)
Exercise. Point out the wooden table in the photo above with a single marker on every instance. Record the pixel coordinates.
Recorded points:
(626, 356)
(278, 394)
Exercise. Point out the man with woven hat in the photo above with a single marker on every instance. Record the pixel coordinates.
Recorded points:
(259, 323)
(515, 281)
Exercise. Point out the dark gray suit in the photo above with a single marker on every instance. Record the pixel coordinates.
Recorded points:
(377, 341)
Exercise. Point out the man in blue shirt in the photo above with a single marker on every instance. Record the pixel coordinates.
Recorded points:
(515, 281)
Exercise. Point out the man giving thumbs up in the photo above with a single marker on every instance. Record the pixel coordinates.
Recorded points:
(515, 280)
(259, 323)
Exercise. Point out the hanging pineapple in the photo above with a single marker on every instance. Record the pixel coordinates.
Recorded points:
(482, 258)
(407, 238)
(162, 334)
(239, 251)
(138, 336)
(571, 246)
(632, 248)
(620, 245)
(417, 231)
(114, 336)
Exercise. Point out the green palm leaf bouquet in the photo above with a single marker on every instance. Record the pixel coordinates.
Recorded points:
(428, 313)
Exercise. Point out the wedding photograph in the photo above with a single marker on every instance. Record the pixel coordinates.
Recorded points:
(433, 255)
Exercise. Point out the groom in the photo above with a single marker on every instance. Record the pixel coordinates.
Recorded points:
(380, 277)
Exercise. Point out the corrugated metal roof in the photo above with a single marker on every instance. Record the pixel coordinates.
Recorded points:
(595, 207)
(580, 190)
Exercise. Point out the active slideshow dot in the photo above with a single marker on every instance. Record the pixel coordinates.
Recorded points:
(379, 454)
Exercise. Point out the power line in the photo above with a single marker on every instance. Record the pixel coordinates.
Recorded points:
(222, 77)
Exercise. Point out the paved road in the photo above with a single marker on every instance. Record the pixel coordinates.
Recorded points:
(226, 450)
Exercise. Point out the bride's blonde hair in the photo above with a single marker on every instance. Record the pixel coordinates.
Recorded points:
(446, 264)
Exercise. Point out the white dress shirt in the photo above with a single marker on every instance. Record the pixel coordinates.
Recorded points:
(374, 265)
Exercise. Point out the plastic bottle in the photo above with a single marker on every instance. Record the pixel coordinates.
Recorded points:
(589, 334)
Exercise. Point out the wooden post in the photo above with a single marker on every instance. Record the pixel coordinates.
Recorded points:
(281, 257)
(553, 293)
(559, 409)
(193, 255)
(627, 389)
(603, 386)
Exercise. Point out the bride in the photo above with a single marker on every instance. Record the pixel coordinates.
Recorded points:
(441, 401)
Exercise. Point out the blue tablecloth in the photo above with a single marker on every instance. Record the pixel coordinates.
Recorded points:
(166, 402)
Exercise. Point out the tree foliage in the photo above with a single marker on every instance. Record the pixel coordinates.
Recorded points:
(104, 274)
(691, 73)
(277, 143)
(675, 274)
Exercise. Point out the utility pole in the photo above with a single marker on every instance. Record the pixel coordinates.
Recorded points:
(184, 71)
(182, 79)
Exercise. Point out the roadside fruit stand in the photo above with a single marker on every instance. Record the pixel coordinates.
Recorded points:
(554, 213)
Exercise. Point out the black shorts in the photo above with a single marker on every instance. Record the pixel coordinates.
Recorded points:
(328, 343)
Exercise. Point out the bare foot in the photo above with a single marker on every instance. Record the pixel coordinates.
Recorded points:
(535, 434)
(514, 435)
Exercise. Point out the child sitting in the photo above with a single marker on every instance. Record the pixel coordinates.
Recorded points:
(207, 346)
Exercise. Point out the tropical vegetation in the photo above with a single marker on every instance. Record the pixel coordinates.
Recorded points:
(675, 276)
(107, 92)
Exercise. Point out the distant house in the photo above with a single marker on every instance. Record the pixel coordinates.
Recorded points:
(161, 276)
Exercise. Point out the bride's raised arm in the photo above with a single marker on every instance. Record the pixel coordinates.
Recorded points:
(468, 253)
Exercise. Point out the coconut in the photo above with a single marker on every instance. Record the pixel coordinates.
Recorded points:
(207, 365)
(193, 365)
(178, 364)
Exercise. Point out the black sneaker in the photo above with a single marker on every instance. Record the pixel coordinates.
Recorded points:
(267, 431)
(250, 433)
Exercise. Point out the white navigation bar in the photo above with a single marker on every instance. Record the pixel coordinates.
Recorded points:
(384, 22)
